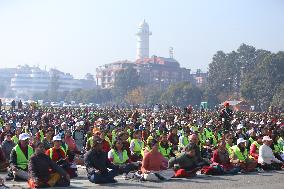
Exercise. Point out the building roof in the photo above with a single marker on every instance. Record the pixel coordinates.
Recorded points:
(159, 60)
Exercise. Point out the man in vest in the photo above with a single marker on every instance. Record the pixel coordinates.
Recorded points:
(19, 158)
(183, 140)
(136, 145)
(164, 146)
(240, 156)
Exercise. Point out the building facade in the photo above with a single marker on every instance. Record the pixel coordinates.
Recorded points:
(28, 80)
(155, 70)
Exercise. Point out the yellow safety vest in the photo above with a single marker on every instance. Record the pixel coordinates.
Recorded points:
(137, 146)
(229, 149)
(15, 139)
(165, 152)
(41, 135)
(117, 160)
(239, 154)
(22, 160)
(184, 141)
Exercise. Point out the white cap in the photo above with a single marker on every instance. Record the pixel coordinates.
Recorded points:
(34, 122)
(24, 136)
(266, 138)
(81, 123)
(56, 138)
(240, 126)
(240, 140)
(18, 125)
(209, 123)
(262, 122)
(11, 122)
(63, 123)
(278, 123)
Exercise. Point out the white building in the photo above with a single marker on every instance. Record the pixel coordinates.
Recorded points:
(143, 41)
(27, 80)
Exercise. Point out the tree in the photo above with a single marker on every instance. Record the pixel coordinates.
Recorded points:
(261, 84)
(278, 98)
(135, 96)
(182, 94)
(126, 80)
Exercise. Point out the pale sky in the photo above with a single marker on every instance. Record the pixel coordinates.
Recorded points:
(77, 36)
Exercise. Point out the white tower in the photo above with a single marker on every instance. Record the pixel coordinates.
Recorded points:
(143, 40)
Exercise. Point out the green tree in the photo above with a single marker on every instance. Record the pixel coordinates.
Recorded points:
(182, 94)
(261, 84)
(125, 81)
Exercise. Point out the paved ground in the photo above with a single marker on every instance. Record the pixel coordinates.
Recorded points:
(271, 180)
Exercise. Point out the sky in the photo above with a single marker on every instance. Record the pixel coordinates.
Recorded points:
(77, 36)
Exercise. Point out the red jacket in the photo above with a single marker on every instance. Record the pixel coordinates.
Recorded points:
(56, 154)
(106, 146)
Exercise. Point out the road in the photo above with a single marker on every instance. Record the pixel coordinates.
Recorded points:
(271, 180)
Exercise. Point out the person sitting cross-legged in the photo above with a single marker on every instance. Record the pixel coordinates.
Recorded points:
(98, 164)
(266, 157)
(19, 158)
(186, 164)
(118, 156)
(44, 172)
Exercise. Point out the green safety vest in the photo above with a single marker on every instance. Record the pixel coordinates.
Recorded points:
(201, 137)
(229, 149)
(158, 132)
(91, 141)
(117, 160)
(137, 146)
(64, 148)
(22, 160)
(108, 140)
(113, 135)
(215, 141)
(41, 135)
(165, 152)
(15, 139)
(208, 133)
(194, 128)
(147, 148)
(239, 154)
(277, 148)
(184, 141)
(251, 140)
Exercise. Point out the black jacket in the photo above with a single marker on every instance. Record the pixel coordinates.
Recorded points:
(97, 161)
(39, 166)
